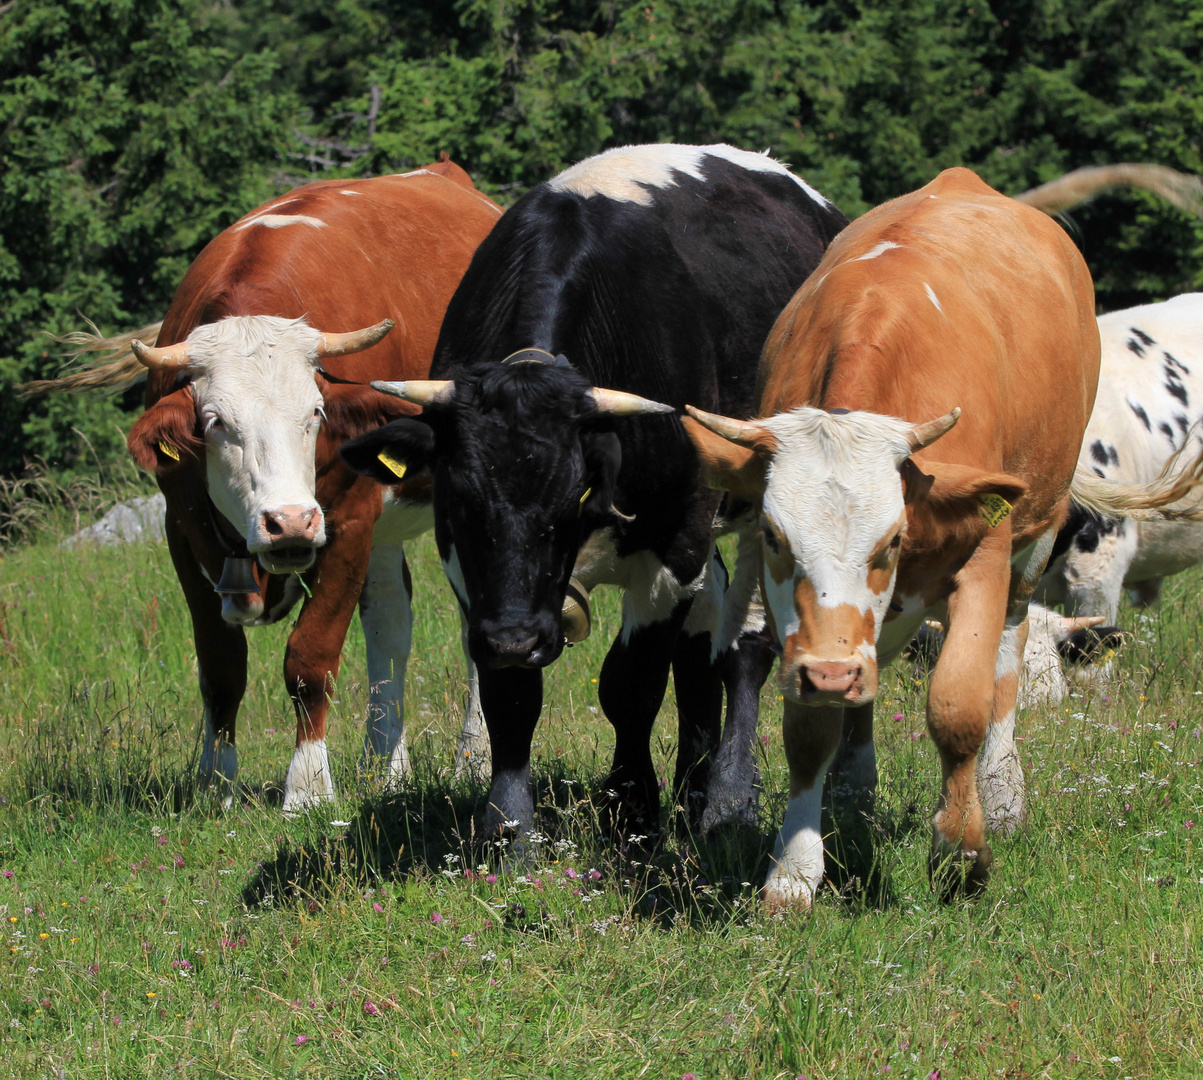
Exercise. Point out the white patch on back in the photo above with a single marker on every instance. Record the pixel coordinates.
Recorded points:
(881, 249)
(931, 295)
(415, 172)
(348, 191)
(278, 221)
(626, 172)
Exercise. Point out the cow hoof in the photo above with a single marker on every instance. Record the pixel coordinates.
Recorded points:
(726, 811)
(785, 894)
(956, 872)
(308, 782)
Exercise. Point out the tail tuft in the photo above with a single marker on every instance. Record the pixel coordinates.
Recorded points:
(115, 368)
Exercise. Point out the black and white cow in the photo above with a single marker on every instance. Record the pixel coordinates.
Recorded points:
(657, 271)
(1150, 395)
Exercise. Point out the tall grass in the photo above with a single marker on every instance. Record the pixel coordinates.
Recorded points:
(149, 933)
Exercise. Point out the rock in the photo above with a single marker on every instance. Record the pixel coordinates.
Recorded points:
(126, 523)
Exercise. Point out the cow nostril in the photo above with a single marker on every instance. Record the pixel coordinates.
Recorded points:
(272, 526)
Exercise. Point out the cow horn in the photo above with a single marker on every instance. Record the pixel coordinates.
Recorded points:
(922, 435)
(354, 341)
(168, 358)
(1074, 623)
(419, 391)
(740, 432)
(620, 403)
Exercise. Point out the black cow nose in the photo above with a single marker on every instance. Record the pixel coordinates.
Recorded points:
(512, 646)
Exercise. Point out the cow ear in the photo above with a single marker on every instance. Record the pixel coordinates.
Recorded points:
(603, 457)
(397, 451)
(958, 493)
(741, 470)
(165, 437)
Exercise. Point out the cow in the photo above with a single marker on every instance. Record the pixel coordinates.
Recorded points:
(630, 283)
(1149, 403)
(922, 402)
(258, 374)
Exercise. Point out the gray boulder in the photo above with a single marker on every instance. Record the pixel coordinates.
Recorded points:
(126, 523)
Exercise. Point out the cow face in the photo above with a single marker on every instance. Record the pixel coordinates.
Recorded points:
(257, 411)
(525, 462)
(833, 523)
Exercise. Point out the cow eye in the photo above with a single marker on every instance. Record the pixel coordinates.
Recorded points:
(215, 423)
(896, 541)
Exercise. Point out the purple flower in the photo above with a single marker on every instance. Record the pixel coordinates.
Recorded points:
(301, 1040)
(899, 716)
(595, 875)
(436, 918)
(571, 873)
(491, 879)
(377, 907)
(179, 862)
(8, 873)
(1188, 823)
(689, 1076)
(370, 1008)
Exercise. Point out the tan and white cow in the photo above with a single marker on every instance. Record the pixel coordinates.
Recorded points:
(924, 397)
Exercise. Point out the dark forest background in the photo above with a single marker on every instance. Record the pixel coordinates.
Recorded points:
(132, 131)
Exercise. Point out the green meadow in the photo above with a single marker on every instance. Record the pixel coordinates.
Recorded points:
(149, 933)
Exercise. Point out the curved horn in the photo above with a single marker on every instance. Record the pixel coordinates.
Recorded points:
(419, 391)
(1074, 623)
(355, 341)
(168, 358)
(620, 403)
(922, 435)
(740, 432)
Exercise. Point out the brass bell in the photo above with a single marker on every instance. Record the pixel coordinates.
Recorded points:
(237, 576)
(575, 619)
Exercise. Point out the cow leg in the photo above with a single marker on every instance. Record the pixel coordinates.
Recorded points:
(311, 661)
(511, 699)
(1146, 593)
(699, 689)
(811, 738)
(631, 688)
(221, 664)
(999, 772)
(745, 658)
(853, 772)
(386, 613)
(472, 750)
(959, 706)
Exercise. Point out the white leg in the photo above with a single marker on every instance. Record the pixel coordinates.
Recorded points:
(218, 764)
(308, 781)
(812, 737)
(1000, 784)
(386, 613)
(473, 757)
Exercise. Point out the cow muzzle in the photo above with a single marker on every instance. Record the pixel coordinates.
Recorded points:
(850, 680)
(287, 537)
(523, 645)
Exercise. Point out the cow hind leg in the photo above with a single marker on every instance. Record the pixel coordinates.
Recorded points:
(386, 613)
(631, 689)
(1000, 780)
(811, 738)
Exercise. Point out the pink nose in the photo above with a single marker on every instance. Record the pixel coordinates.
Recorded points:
(834, 677)
(289, 524)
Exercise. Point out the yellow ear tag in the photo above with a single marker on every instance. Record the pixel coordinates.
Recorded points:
(169, 450)
(394, 465)
(581, 507)
(993, 508)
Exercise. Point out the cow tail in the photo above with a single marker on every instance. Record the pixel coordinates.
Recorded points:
(115, 368)
(1146, 502)
(1182, 189)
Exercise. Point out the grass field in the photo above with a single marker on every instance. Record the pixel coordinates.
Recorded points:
(150, 934)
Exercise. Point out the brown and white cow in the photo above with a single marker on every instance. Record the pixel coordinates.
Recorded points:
(253, 385)
(924, 397)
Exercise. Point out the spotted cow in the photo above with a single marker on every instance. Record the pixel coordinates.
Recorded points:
(923, 400)
(631, 283)
(1149, 402)
(256, 379)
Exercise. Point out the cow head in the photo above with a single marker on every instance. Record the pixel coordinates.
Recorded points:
(252, 408)
(834, 517)
(525, 462)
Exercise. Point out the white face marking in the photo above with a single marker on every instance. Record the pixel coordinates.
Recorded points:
(279, 221)
(834, 493)
(931, 295)
(873, 253)
(260, 410)
(626, 172)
